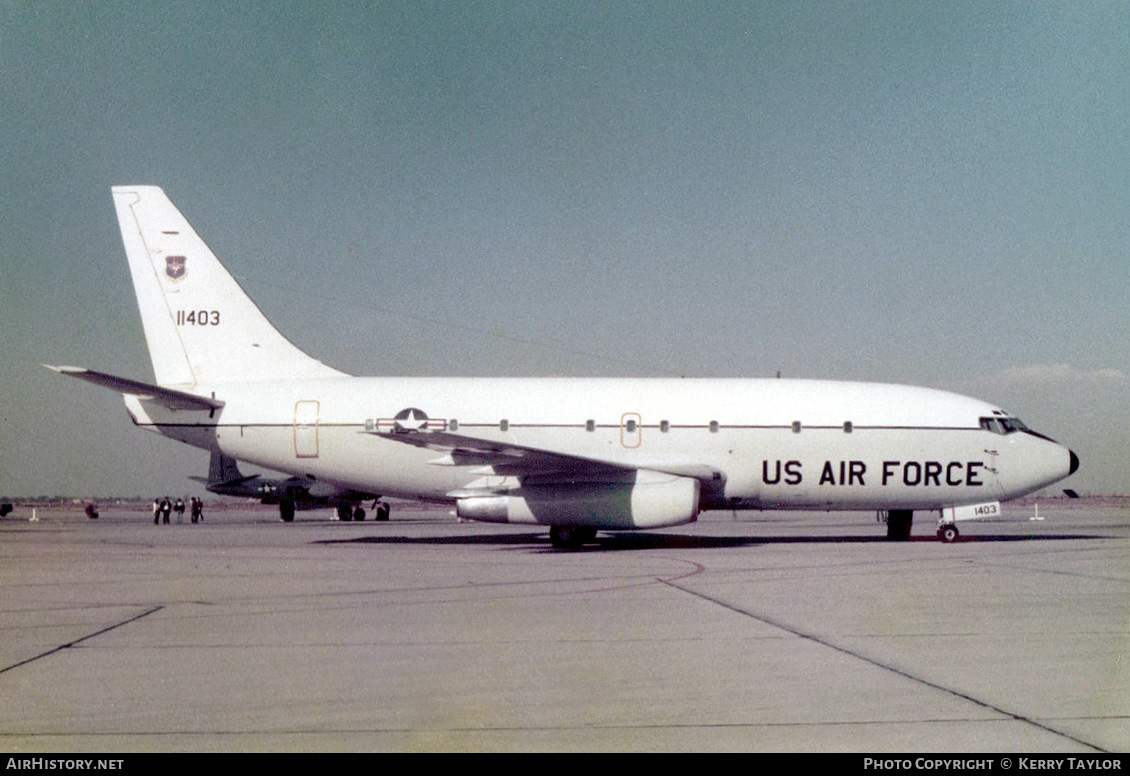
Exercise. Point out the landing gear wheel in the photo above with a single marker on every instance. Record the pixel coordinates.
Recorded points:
(898, 524)
(382, 511)
(948, 533)
(570, 537)
(344, 512)
(358, 514)
(286, 510)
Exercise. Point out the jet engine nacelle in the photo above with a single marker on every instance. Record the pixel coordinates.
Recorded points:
(654, 500)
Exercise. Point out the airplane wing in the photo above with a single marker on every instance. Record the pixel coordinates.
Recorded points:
(502, 458)
(224, 483)
(533, 464)
(173, 399)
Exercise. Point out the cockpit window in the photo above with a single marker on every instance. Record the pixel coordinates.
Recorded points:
(1003, 425)
(1013, 424)
(991, 424)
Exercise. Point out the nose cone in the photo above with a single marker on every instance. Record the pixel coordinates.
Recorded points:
(1030, 462)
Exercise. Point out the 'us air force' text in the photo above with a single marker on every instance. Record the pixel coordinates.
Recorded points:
(927, 474)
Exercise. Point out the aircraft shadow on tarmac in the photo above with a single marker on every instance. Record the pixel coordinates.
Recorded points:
(621, 542)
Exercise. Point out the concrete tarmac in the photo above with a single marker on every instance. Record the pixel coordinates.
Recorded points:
(770, 631)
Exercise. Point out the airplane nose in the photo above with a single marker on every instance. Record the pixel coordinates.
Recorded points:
(1074, 462)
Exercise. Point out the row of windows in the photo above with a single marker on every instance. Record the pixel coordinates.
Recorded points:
(998, 425)
(664, 426)
(630, 425)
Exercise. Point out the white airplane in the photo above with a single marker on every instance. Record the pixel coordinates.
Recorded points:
(575, 454)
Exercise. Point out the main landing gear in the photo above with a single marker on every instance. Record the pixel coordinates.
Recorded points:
(570, 537)
(898, 524)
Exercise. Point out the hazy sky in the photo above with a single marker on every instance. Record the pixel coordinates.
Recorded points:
(930, 193)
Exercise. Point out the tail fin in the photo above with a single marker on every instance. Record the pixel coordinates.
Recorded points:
(199, 324)
(223, 470)
(225, 478)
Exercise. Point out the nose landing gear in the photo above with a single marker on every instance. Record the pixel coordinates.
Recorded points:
(948, 533)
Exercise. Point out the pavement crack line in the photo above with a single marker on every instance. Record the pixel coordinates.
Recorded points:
(78, 641)
(885, 666)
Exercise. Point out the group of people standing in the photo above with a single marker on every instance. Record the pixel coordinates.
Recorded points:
(162, 508)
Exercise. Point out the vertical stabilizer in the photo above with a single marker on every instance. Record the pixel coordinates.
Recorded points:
(222, 469)
(199, 324)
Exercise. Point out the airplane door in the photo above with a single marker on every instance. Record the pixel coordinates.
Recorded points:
(630, 429)
(306, 429)
(991, 465)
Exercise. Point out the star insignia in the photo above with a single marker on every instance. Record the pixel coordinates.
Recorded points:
(410, 419)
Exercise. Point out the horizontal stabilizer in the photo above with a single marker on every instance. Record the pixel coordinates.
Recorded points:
(174, 400)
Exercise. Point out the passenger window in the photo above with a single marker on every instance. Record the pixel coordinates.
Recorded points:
(664, 426)
(796, 426)
(630, 426)
(590, 425)
(504, 425)
(848, 427)
(453, 425)
(713, 427)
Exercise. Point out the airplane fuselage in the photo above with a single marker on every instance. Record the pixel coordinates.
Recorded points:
(799, 444)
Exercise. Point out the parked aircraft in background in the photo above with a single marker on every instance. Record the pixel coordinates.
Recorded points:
(292, 493)
(575, 454)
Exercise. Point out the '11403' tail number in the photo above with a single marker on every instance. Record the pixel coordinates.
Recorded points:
(198, 317)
